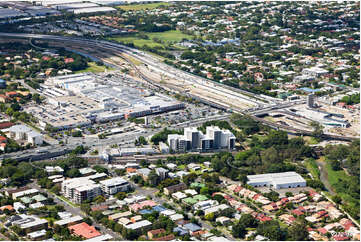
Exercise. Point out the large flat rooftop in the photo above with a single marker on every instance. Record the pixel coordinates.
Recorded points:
(79, 99)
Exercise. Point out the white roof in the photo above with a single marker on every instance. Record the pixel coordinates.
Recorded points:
(114, 181)
(66, 221)
(138, 225)
(20, 128)
(37, 234)
(176, 216)
(34, 134)
(168, 212)
(36, 205)
(276, 178)
(104, 237)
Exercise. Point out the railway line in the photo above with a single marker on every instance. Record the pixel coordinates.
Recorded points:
(119, 50)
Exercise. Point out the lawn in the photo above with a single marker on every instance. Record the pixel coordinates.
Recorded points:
(170, 36)
(136, 7)
(310, 140)
(93, 67)
(136, 41)
(182, 167)
(313, 168)
(333, 177)
(167, 37)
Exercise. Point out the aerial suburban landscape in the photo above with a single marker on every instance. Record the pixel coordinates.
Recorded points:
(179, 121)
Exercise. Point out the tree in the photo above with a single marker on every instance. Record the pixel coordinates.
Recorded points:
(298, 231)
(79, 150)
(272, 195)
(248, 221)
(238, 230)
(317, 130)
(271, 230)
(121, 195)
(337, 199)
(100, 169)
(88, 220)
(209, 217)
(99, 199)
(188, 179)
(73, 172)
(204, 191)
(270, 156)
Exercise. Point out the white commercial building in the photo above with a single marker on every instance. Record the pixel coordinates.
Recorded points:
(315, 71)
(114, 185)
(277, 180)
(81, 99)
(24, 133)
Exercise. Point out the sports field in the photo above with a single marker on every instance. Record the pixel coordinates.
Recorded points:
(136, 7)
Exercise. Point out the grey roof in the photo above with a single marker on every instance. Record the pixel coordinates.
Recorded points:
(192, 227)
(144, 171)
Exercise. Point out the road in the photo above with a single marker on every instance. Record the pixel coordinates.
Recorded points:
(157, 65)
(75, 210)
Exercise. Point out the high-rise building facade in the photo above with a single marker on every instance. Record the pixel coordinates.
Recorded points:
(193, 139)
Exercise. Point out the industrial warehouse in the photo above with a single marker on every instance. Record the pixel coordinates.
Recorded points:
(277, 180)
(82, 99)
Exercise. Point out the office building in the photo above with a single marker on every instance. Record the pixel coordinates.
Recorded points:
(193, 139)
(194, 136)
(26, 134)
(277, 180)
(311, 100)
(114, 185)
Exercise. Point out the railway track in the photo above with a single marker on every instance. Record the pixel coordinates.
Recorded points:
(119, 50)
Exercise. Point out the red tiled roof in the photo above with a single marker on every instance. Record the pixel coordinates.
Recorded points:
(69, 60)
(11, 93)
(156, 231)
(8, 207)
(340, 237)
(347, 224)
(297, 212)
(99, 207)
(84, 230)
(238, 189)
(6, 125)
(165, 238)
(130, 170)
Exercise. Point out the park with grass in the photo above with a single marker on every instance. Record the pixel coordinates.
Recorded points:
(94, 68)
(147, 6)
(167, 37)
